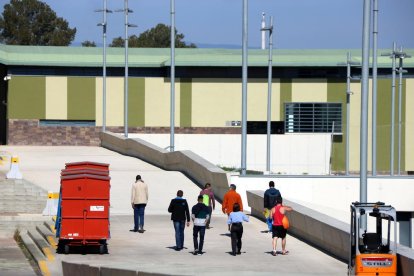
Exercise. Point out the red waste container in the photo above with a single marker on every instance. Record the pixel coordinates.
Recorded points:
(84, 171)
(87, 165)
(84, 211)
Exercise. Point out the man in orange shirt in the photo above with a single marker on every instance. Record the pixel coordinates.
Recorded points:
(230, 198)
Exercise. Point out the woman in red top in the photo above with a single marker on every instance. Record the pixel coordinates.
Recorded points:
(278, 231)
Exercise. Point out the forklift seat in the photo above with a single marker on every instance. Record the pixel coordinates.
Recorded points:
(372, 242)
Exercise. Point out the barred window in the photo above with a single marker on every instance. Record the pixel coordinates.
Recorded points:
(313, 117)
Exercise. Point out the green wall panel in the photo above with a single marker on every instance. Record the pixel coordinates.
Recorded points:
(384, 125)
(136, 102)
(185, 102)
(285, 95)
(27, 98)
(81, 98)
(336, 94)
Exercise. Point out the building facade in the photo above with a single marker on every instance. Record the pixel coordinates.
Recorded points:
(54, 96)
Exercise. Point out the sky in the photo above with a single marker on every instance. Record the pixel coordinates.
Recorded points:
(298, 24)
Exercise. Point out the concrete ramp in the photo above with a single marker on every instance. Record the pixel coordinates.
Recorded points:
(153, 250)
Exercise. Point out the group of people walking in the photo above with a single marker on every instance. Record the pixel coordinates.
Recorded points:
(201, 214)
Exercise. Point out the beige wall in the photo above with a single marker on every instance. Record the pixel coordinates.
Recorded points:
(257, 100)
(354, 132)
(56, 98)
(305, 90)
(215, 101)
(409, 131)
(114, 101)
(157, 102)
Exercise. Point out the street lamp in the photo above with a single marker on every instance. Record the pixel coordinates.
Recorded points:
(401, 56)
(244, 89)
(127, 25)
(172, 76)
(104, 24)
(269, 92)
(348, 64)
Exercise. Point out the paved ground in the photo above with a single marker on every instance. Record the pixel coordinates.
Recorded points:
(152, 251)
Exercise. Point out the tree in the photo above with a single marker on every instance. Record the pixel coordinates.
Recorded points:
(88, 43)
(157, 37)
(32, 22)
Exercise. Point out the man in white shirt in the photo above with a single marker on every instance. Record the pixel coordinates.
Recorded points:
(139, 200)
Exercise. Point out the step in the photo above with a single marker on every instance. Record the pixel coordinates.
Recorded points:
(50, 226)
(47, 235)
(35, 252)
(41, 243)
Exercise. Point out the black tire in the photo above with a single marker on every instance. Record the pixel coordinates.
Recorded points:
(67, 249)
(102, 249)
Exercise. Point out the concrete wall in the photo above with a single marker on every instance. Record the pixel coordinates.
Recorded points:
(324, 232)
(290, 153)
(187, 162)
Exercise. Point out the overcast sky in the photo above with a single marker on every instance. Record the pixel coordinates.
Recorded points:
(299, 24)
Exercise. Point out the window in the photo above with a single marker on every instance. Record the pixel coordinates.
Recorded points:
(313, 117)
(67, 123)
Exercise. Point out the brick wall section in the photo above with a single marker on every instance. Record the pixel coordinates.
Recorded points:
(28, 132)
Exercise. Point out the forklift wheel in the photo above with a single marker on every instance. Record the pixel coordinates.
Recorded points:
(66, 249)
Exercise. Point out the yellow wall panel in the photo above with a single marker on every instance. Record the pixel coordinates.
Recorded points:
(307, 90)
(157, 102)
(56, 98)
(216, 101)
(114, 101)
(354, 126)
(257, 100)
(409, 120)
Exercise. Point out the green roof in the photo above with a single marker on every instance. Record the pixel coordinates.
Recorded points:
(160, 57)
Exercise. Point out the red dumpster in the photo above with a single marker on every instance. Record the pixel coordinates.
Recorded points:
(84, 171)
(84, 211)
(87, 165)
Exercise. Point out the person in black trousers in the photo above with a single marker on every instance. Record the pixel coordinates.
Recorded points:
(236, 228)
(200, 215)
(179, 214)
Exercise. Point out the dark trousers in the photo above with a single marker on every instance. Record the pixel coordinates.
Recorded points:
(236, 232)
(202, 230)
(139, 211)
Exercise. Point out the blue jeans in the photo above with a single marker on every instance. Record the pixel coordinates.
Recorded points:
(269, 222)
(139, 211)
(179, 226)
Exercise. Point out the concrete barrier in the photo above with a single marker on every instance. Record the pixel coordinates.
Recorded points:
(324, 232)
(198, 169)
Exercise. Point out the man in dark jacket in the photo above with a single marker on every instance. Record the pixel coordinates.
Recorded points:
(179, 214)
(269, 202)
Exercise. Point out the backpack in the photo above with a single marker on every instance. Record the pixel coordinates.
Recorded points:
(206, 199)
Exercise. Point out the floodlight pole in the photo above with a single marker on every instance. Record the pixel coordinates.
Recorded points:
(126, 11)
(394, 49)
(104, 24)
(269, 92)
(172, 76)
(348, 109)
(244, 90)
(401, 55)
(374, 87)
(364, 106)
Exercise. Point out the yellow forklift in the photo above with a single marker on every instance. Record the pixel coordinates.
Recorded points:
(372, 252)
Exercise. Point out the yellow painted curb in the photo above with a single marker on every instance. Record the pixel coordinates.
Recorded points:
(43, 268)
(48, 254)
(51, 241)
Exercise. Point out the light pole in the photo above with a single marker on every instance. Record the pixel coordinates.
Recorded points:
(172, 76)
(400, 55)
(244, 89)
(126, 11)
(374, 87)
(269, 92)
(392, 55)
(349, 64)
(364, 106)
(104, 24)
